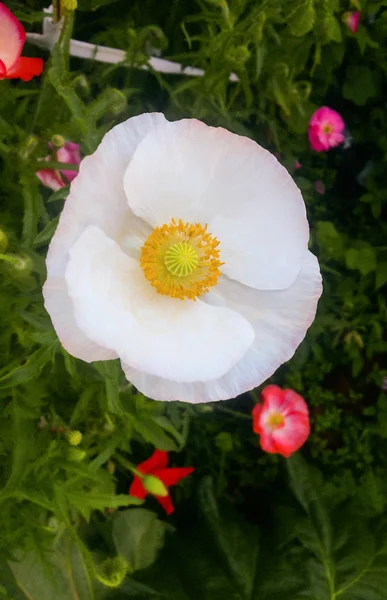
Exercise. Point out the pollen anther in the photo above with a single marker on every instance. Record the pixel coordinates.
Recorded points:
(181, 260)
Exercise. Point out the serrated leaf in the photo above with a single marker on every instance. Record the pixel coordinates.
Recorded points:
(31, 368)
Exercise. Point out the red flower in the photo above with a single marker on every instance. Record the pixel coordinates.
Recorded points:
(12, 38)
(158, 479)
(282, 421)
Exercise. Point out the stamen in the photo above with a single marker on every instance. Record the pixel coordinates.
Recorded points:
(275, 421)
(181, 260)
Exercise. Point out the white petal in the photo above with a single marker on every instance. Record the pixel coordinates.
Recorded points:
(117, 308)
(96, 197)
(251, 204)
(280, 320)
(61, 310)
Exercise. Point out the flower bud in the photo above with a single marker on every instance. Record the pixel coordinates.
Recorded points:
(76, 455)
(154, 486)
(74, 437)
(22, 264)
(58, 141)
(112, 571)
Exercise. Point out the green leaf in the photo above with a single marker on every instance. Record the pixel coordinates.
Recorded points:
(360, 84)
(138, 535)
(31, 368)
(60, 194)
(62, 574)
(44, 236)
(381, 275)
(301, 19)
(111, 371)
(32, 203)
(361, 259)
(100, 501)
(332, 29)
(214, 554)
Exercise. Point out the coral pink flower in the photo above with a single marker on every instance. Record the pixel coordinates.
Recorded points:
(158, 478)
(69, 153)
(352, 20)
(325, 129)
(12, 38)
(282, 421)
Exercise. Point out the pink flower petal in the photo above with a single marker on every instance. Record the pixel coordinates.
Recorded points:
(352, 20)
(293, 435)
(69, 153)
(12, 37)
(325, 129)
(50, 179)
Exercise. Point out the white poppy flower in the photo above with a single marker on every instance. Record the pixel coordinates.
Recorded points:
(182, 249)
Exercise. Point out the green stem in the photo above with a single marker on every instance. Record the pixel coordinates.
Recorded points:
(57, 10)
(58, 166)
(12, 259)
(128, 465)
(234, 413)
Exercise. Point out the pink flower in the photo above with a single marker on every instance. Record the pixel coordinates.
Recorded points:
(352, 20)
(12, 38)
(69, 153)
(319, 187)
(325, 129)
(297, 165)
(282, 421)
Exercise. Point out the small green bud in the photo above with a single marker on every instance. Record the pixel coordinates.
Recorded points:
(3, 241)
(113, 571)
(74, 437)
(154, 486)
(23, 264)
(70, 4)
(58, 141)
(76, 455)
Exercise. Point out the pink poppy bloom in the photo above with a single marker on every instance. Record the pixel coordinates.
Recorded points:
(12, 38)
(69, 153)
(282, 421)
(352, 20)
(319, 187)
(325, 129)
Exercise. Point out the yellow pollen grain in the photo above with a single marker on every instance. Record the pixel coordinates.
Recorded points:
(181, 260)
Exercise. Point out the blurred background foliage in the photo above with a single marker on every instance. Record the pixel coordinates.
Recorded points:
(247, 525)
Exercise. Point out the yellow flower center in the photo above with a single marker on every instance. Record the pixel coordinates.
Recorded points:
(181, 260)
(276, 421)
(327, 128)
